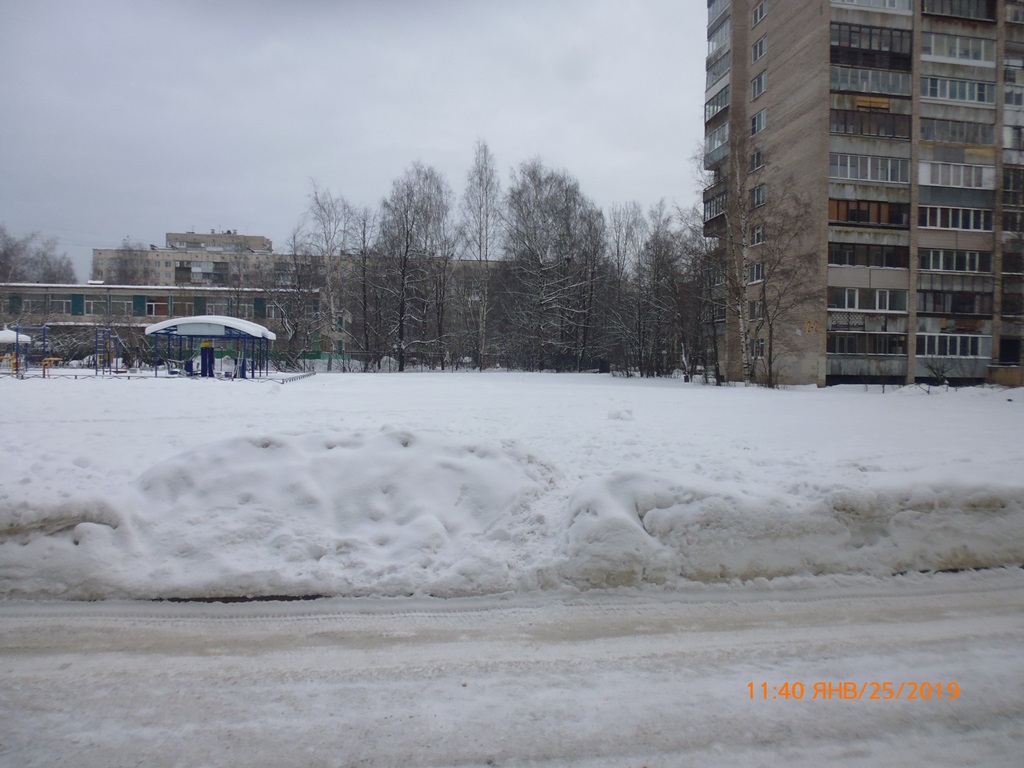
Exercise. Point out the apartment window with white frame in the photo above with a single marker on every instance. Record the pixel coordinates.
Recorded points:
(755, 273)
(950, 260)
(760, 11)
(757, 238)
(758, 196)
(760, 48)
(958, 47)
(951, 89)
(945, 217)
(957, 175)
(758, 85)
(951, 345)
(756, 160)
(869, 168)
(861, 80)
(758, 122)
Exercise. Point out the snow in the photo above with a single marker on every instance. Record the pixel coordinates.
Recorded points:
(210, 325)
(461, 484)
(530, 570)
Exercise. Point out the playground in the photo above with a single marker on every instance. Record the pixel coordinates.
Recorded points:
(206, 346)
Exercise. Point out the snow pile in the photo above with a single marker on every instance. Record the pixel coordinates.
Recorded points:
(630, 528)
(386, 513)
(492, 483)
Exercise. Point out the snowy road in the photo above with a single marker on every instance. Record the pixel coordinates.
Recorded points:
(599, 679)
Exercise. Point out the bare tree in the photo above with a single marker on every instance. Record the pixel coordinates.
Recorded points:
(130, 264)
(555, 259)
(32, 259)
(480, 236)
(328, 222)
(416, 228)
(365, 289)
(767, 271)
(292, 282)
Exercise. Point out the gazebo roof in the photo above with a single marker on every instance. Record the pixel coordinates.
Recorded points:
(8, 336)
(211, 326)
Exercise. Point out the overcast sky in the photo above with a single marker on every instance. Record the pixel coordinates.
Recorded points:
(137, 117)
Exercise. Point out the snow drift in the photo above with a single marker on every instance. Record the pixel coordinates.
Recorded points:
(630, 528)
(494, 484)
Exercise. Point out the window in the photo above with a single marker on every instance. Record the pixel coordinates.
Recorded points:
(716, 138)
(716, 8)
(717, 69)
(758, 196)
(755, 310)
(871, 212)
(866, 343)
(943, 217)
(952, 345)
(156, 306)
(945, 260)
(968, 9)
(842, 298)
(719, 38)
(760, 48)
(860, 80)
(950, 89)
(1013, 137)
(868, 255)
(863, 123)
(1013, 186)
(758, 85)
(858, 45)
(1013, 96)
(871, 38)
(958, 47)
(957, 175)
(867, 299)
(715, 206)
(716, 103)
(957, 132)
(760, 11)
(755, 273)
(869, 168)
(757, 238)
(756, 160)
(757, 348)
(758, 122)
(954, 303)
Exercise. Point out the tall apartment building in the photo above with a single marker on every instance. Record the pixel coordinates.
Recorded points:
(883, 140)
(187, 258)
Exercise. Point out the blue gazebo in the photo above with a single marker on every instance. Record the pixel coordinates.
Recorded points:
(180, 336)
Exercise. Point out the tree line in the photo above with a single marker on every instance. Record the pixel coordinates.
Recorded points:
(530, 274)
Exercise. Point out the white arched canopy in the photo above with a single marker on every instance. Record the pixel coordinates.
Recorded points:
(252, 340)
(210, 327)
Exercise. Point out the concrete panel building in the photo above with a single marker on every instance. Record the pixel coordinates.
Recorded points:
(188, 258)
(894, 129)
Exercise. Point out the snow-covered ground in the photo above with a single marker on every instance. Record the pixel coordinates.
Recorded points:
(523, 569)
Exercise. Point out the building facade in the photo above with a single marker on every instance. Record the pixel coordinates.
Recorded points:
(73, 313)
(188, 258)
(884, 140)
